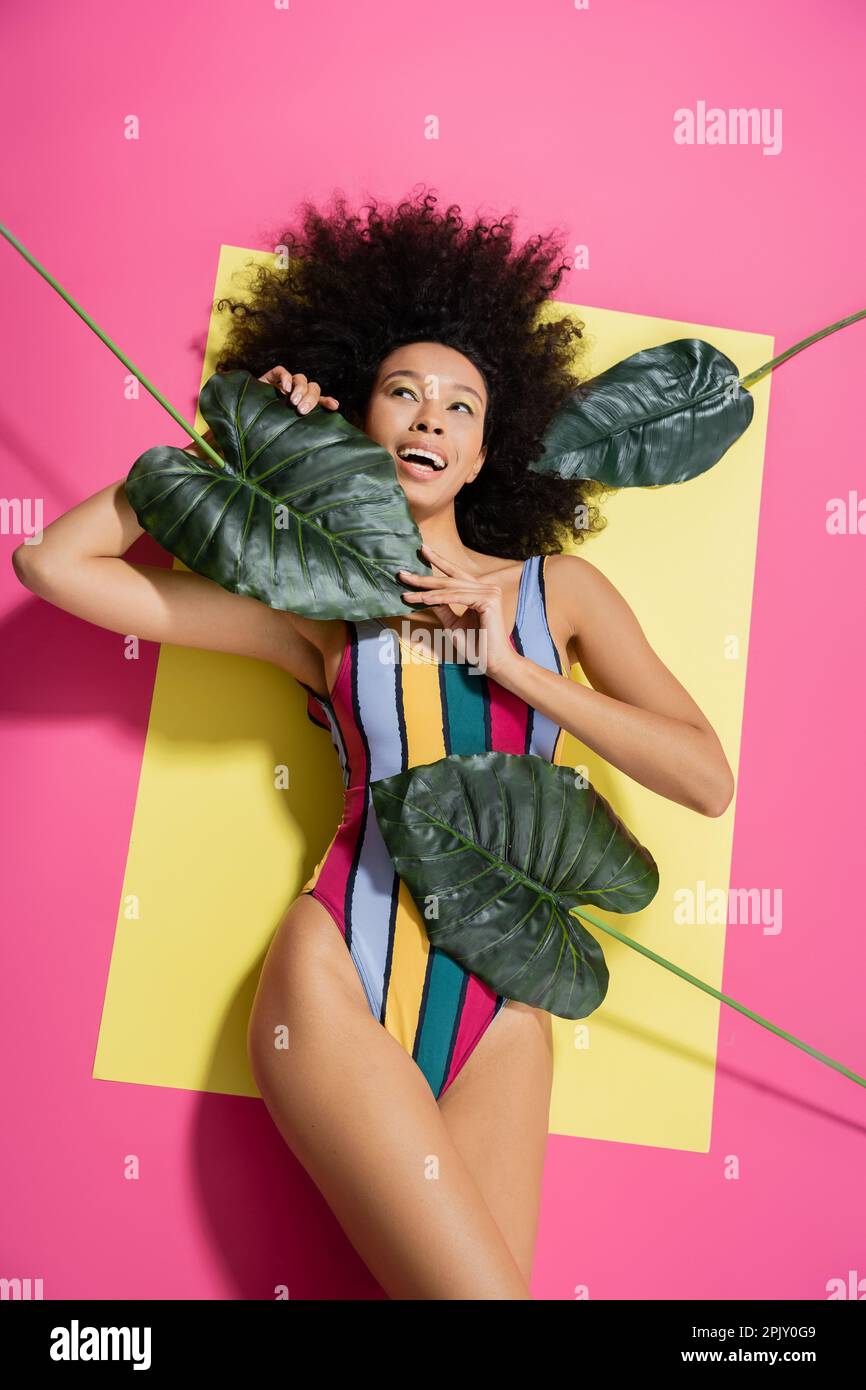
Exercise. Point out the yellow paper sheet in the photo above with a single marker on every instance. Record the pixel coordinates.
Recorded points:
(219, 849)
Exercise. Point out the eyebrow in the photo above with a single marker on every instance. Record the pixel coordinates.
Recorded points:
(417, 376)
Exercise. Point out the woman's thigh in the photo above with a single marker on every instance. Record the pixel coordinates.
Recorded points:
(360, 1117)
(497, 1110)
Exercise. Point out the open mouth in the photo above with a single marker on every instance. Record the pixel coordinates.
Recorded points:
(419, 457)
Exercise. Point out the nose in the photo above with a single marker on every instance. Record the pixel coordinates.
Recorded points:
(426, 419)
(424, 426)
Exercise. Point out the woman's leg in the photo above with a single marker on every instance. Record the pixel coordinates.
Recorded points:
(360, 1117)
(497, 1110)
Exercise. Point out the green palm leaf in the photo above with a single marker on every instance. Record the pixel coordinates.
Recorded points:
(663, 415)
(306, 514)
(496, 850)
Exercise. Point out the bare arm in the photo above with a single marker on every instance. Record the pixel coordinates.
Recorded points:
(77, 567)
(636, 713)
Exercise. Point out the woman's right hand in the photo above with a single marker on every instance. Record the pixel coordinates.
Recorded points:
(302, 393)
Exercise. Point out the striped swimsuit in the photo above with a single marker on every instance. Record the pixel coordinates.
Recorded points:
(393, 708)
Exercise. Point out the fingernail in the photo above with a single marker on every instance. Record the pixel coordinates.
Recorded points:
(304, 407)
(295, 396)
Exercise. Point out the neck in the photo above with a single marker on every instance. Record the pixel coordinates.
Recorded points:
(440, 531)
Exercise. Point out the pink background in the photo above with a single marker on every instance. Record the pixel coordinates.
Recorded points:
(567, 117)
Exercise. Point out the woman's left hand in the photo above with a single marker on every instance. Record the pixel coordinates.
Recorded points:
(464, 603)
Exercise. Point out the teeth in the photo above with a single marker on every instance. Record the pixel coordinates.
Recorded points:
(435, 459)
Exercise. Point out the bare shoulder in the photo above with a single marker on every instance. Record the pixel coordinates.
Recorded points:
(321, 633)
(567, 570)
(574, 577)
(571, 585)
(327, 636)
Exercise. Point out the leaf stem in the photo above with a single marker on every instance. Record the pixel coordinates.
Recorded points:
(756, 375)
(725, 998)
(46, 275)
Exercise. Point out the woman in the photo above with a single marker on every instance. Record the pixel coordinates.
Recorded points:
(422, 1121)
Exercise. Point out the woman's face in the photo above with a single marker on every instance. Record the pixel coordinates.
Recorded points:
(428, 396)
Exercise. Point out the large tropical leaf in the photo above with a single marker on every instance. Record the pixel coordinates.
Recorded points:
(307, 514)
(496, 849)
(660, 416)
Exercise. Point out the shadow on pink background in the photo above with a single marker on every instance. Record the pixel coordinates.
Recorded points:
(565, 116)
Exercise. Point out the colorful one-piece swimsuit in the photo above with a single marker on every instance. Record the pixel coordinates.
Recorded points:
(392, 708)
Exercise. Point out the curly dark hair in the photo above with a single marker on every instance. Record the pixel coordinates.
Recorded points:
(352, 289)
